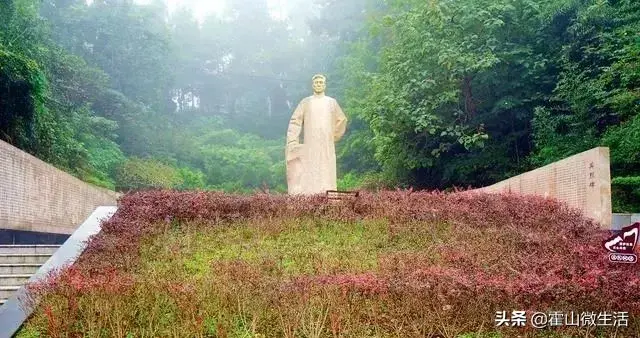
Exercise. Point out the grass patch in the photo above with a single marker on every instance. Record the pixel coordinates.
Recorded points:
(295, 247)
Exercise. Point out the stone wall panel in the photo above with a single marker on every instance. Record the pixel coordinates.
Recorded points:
(36, 196)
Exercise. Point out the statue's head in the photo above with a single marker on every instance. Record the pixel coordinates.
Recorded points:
(319, 83)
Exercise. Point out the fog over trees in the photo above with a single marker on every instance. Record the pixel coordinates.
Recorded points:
(130, 95)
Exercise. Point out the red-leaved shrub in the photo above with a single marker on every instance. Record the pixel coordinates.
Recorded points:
(497, 252)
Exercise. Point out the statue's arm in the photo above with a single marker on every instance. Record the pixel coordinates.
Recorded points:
(295, 125)
(340, 122)
(293, 132)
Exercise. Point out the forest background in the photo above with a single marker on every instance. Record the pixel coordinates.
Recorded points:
(440, 94)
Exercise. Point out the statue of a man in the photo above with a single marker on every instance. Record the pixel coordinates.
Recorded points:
(311, 166)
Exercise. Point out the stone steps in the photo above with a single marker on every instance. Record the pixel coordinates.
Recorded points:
(14, 279)
(7, 291)
(28, 249)
(24, 258)
(18, 263)
(24, 268)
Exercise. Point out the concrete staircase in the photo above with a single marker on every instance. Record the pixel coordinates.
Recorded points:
(18, 263)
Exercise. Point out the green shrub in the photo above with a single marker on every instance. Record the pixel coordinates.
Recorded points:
(137, 173)
(191, 178)
(626, 194)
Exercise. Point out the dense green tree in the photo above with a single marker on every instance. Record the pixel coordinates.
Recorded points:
(597, 97)
(471, 92)
(438, 94)
(45, 91)
(22, 82)
(347, 53)
(453, 96)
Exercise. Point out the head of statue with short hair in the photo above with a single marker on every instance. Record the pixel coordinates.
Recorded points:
(319, 83)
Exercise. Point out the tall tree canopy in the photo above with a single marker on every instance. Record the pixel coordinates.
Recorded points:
(438, 93)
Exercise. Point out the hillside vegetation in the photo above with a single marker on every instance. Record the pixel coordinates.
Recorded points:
(391, 264)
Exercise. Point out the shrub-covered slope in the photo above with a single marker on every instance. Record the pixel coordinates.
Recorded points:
(390, 264)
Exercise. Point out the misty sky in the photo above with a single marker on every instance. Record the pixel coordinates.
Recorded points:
(203, 8)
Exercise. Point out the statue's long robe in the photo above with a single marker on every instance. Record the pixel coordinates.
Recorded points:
(311, 166)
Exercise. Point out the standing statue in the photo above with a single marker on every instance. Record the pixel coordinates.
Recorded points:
(311, 165)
